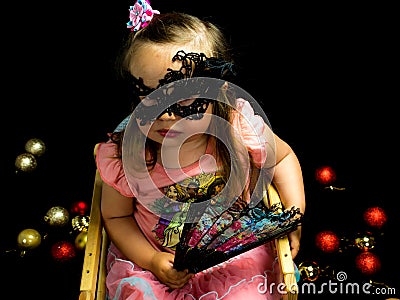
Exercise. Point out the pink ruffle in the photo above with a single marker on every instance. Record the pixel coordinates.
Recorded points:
(110, 168)
(246, 276)
(251, 129)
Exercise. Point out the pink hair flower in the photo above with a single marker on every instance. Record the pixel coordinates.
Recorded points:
(140, 14)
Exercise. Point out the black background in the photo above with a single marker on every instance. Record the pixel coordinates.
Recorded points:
(324, 75)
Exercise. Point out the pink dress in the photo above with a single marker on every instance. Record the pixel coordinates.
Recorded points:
(250, 275)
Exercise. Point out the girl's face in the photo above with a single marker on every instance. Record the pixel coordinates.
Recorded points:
(151, 63)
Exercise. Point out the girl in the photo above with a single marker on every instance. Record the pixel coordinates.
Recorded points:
(176, 145)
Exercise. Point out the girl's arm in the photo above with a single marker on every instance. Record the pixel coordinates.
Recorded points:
(288, 180)
(122, 229)
(124, 232)
(288, 177)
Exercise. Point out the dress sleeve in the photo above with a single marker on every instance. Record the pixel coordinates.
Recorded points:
(110, 168)
(252, 130)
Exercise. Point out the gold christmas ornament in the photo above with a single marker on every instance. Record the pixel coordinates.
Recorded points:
(365, 242)
(35, 147)
(28, 239)
(309, 270)
(81, 240)
(26, 162)
(80, 223)
(57, 216)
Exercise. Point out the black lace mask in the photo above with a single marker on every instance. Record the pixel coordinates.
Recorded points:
(192, 107)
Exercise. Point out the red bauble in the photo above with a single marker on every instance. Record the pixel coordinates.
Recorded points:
(79, 208)
(375, 217)
(63, 251)
(368, 263)
(327, 241)
(325, 175)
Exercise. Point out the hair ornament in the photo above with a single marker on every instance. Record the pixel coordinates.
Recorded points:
(140, 14)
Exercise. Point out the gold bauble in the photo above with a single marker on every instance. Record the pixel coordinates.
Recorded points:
(35, 147)
(57, 216)
(80, 223)
(365, 242)
(309, 270)
(26, 162)
(81, 240)
(28, 239)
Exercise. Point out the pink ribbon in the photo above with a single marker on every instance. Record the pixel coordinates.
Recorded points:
(140, 14)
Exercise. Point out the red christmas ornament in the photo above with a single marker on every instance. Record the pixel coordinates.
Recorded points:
(368, 263)
(325, 175)
(327, 241)
(63, 251)
(79, 208)
(375, 217)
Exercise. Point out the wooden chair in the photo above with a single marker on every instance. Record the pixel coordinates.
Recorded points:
(282, 246)
(93, 286)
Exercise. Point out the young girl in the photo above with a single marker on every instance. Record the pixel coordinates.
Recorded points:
(182, 148)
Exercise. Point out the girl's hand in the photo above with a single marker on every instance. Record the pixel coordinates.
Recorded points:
(162, 268)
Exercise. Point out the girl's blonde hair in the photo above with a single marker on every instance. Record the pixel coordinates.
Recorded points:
(176, 29)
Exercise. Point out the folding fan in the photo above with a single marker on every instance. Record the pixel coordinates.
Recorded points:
(217, 236)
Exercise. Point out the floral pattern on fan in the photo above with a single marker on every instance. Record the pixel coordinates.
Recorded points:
(215, 238)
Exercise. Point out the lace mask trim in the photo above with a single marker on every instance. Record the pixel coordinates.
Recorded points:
(193, 65)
